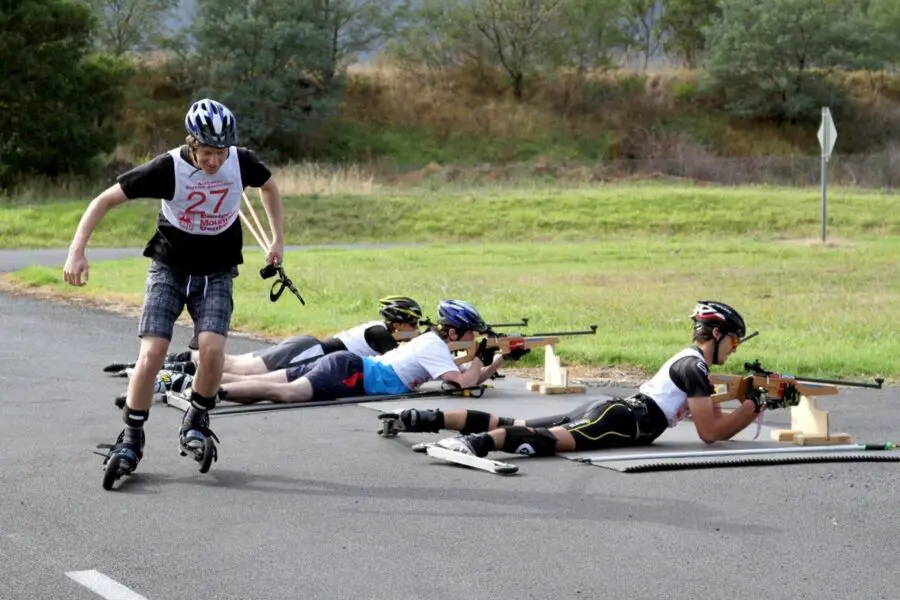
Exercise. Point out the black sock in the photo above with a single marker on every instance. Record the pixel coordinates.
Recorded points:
(134, 436)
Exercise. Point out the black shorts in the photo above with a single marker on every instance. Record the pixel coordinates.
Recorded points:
(610, 423)
(335, 375)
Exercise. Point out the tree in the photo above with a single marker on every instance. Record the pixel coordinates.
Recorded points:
(683, 25)
(57, 104)
(129, 25)
(514, 30)
(268, 61)
(771, 58)
(354, 27)
(640, 25)
(583, 35)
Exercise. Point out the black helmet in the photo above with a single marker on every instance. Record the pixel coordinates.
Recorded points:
(400, 309)
(461, 316)
(211, 124)
(709, 314)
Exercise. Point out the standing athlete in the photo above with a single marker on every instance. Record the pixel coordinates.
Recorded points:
(195, 253)
(681, 387)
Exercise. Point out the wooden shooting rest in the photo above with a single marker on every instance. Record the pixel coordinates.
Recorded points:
(810, 425)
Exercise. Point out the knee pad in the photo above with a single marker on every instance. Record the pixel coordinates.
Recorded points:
(422, 421)
(135, 418)
(536, 442)
(477, 421)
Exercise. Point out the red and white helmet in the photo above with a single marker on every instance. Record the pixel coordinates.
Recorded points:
(709, 314)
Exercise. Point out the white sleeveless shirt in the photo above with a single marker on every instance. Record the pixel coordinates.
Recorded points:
(668, 396)
(204, 204)
(354, 339)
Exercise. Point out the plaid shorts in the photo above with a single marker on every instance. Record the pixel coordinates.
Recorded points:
(208, 299)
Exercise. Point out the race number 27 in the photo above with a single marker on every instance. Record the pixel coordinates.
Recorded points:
(199, 198)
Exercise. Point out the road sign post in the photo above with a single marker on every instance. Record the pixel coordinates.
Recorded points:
(827, 136)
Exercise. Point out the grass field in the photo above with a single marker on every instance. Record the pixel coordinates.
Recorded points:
(488, 214)
(821, 309)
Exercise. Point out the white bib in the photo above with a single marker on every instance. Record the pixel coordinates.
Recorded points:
(204, 204)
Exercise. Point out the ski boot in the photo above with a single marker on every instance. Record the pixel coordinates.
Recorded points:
(198, 440)
(120, 459)
(411, 420)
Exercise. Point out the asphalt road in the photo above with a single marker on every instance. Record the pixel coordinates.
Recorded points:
(310, 503)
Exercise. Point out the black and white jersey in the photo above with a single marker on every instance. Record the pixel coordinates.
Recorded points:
(198, 230)
(685, 375)
(369, 339)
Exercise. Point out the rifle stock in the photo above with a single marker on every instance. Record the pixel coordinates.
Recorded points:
(737, 387)
(504, 344)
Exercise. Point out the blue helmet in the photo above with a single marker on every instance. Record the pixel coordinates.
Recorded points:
(461, 316)
(211, 124)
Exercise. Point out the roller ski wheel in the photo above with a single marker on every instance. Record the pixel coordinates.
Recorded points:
(199, 442)
(119, 460)
(390, 425)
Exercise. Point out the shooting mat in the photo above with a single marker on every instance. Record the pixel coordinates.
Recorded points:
(510, 402)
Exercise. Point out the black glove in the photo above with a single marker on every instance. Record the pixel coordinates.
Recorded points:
(516, 353)
(789, 396)
(757, 398)
(485, 354)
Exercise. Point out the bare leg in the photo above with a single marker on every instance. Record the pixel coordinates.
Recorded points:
(256, 390)
(209, 367)
(244, 364)
(455, 420)
(279, 376)
(143, 379)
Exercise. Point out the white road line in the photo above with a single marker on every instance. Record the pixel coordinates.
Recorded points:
(100, 584)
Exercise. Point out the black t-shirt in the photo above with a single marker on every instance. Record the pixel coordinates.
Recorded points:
(185, 252)
(691, 375)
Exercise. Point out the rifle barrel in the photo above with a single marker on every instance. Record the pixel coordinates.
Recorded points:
(757, 369)
(591, 331)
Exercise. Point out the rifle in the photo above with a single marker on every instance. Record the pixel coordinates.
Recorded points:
(766, 384)
(503, 343)
(427, 324)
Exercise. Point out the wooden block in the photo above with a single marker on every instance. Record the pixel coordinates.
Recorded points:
(784, 435)
(819, 440)
(534, 386)
(562, 389)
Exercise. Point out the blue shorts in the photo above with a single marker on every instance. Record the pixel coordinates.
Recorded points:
(335, 375)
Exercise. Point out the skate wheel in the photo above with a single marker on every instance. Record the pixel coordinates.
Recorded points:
(209, 454)
(506, 469)
(420, 447)
(111, 474)
(120, 401)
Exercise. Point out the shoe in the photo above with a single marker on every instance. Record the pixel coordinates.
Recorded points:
(457, 444)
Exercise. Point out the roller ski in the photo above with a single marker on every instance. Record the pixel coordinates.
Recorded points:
(197, 440)
(411, 420)
(121, 459)
(176, 361)
(166, 381)
(459, 451)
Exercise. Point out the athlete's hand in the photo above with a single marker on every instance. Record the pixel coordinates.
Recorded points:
(75, 272)
(516, 353)
(276, 253)
(485, 354)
